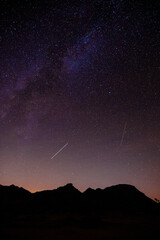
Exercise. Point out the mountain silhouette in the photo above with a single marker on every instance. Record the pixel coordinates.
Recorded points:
(14, 200)
(13, 191)
(119, 198)
(61, 199)
(116, 212)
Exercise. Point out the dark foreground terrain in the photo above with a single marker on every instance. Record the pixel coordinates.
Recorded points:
(117, 212)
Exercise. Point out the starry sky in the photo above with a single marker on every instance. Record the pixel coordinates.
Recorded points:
(86, 74)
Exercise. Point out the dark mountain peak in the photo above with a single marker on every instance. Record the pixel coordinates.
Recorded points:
(69, 185)
(68, 188)
(13, 186)
(124, 191)
(89, 190)
(123, 187)
(115, 188)
(13, 197)
(13, 189)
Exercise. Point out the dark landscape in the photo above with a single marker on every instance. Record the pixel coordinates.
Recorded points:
(116, 212)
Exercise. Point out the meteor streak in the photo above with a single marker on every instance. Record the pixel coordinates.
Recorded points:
(123, 133)
(59, 150)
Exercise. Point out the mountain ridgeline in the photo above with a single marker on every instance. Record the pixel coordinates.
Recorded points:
(121, 198)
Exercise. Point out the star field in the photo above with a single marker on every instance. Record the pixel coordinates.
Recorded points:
(74, 72)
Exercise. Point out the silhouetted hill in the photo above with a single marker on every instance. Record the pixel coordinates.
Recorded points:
(13, 194)
(123, 197)
(67, 190)
(14, 199)
(119, 198)
(58, 200)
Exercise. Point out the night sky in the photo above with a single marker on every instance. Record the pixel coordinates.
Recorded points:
(83, 75)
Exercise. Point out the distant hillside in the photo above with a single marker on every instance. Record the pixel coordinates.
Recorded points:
(13, 199)
(119, 198)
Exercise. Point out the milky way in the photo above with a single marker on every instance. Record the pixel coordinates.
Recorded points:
(76, 71)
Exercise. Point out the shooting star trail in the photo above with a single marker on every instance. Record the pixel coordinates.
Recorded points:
(123, 133)
(59, 150)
